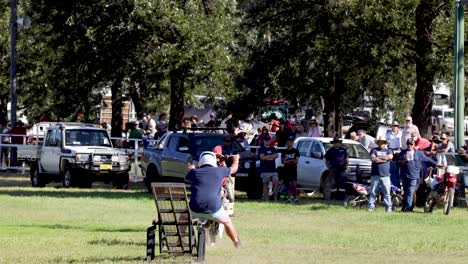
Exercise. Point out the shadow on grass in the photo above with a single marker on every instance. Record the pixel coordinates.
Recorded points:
(85, 228)
(98, 259)
(116, 242)
(75, 193)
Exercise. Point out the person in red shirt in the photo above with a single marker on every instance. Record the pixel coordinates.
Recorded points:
(19, 129)
(420, 143)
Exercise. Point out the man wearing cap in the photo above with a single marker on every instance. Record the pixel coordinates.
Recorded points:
(407, 130)
(410, 160)
(367, 141)
(161, 125)
(380, 174)
(337, 162)
(268, 173)
(289, 158)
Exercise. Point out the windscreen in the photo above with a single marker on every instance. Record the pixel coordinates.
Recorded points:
(355, 151)
(87, 137)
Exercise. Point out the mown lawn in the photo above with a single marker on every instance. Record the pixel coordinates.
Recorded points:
(101, 225)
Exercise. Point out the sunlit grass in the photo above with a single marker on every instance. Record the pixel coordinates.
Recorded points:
(102, 225)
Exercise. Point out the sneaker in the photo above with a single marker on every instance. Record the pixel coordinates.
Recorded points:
(370, 209)
(238, 244)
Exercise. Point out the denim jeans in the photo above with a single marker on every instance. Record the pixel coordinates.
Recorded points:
(395, 174)
(409, 187)
(385, 185)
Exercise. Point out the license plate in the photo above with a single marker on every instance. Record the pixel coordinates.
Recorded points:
(105, 166)
(242, 174)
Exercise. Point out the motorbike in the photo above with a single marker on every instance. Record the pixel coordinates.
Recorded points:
(213, 228)
(362, 197)
(442, 189)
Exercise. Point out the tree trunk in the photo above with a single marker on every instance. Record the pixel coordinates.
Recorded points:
(177, 100)
(425, 74)
(117, 103)
(137, 102)
(332, 110)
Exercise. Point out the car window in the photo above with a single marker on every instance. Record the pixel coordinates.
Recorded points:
(316, 148)
(86, 137)
(355, 151)
(162, 141)
(183, 142)
(49, 138)
(201, 143)
(304, 147)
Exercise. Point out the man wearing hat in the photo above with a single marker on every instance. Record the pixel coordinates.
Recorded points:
(407, 130)
(337, 162)
(380, 174)
(313, 129)
(268, 155)
(289, 159)
(410, 160)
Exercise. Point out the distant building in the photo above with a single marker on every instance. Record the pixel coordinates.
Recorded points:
(105, 113)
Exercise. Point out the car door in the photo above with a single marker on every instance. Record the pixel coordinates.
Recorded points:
(303, 164)
(182, 158)
(51, 151)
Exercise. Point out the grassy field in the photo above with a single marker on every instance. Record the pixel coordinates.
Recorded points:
(101, 225)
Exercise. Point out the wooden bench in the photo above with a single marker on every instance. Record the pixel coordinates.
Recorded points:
(176, 232)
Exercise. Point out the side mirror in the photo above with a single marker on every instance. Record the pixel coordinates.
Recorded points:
(183, 149)
(317, 155)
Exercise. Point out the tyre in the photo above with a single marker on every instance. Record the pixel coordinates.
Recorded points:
(229, 189)
(397, 201)
(68, 178)
(255, 189)
(354, 201)
(151, 176)
(121, 181)
(36, 178)
(430, 203)
(448, 201)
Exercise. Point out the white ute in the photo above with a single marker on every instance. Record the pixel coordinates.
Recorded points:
(77, 155)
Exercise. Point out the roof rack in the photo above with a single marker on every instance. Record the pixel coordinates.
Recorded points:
(200, 129)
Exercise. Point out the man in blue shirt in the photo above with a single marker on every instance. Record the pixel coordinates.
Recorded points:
(337, 162)
(411, 160)
(380, 174)
(268, 173)
(205, 187)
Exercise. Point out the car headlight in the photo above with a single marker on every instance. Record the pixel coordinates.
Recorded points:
(123, 158)
(83, 157)
(97, 158)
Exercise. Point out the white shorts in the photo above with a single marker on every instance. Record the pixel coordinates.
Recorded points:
(267, 176)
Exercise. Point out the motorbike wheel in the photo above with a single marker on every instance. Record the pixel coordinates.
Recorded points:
(229, 189)
(430, 203)
(354, 201)
(448, 202)
(397, 201)
(213, 230)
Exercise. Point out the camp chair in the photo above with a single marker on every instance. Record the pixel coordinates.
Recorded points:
(176, 229)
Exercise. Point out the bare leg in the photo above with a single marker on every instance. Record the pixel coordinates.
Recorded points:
(275, 189)
(265, 192)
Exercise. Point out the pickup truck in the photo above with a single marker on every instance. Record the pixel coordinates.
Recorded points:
(167, 160)
(76, 155)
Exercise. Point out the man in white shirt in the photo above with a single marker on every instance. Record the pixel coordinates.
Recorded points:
(406, 133)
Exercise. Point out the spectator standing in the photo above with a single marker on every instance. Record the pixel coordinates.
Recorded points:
(302, 131)
(444, 147)
(293, 132)
(134, 133)
(407, 130)
(411, 160)
(264, 133)
(367, 141)
(394, 137)
(213, 122)
(161, 125)
(268, 155)
(419, 142)
(289, 159)
(381, 157)
(394, 143)
(337, 162)
(5, 149)
(313, 129)
(150, 126)
(281, 135)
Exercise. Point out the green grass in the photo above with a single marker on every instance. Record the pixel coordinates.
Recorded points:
(101, 225)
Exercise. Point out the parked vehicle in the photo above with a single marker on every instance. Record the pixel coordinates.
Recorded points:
(167, 160)
(311, 167)
(442, 189)
(77, 155)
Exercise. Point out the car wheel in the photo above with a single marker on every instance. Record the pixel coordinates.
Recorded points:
(36, 178)
(68, 178)
(121, 181)
(151, 176)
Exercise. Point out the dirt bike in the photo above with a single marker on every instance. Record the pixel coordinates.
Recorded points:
(213, 228)
(362, 197)
(442, 189)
